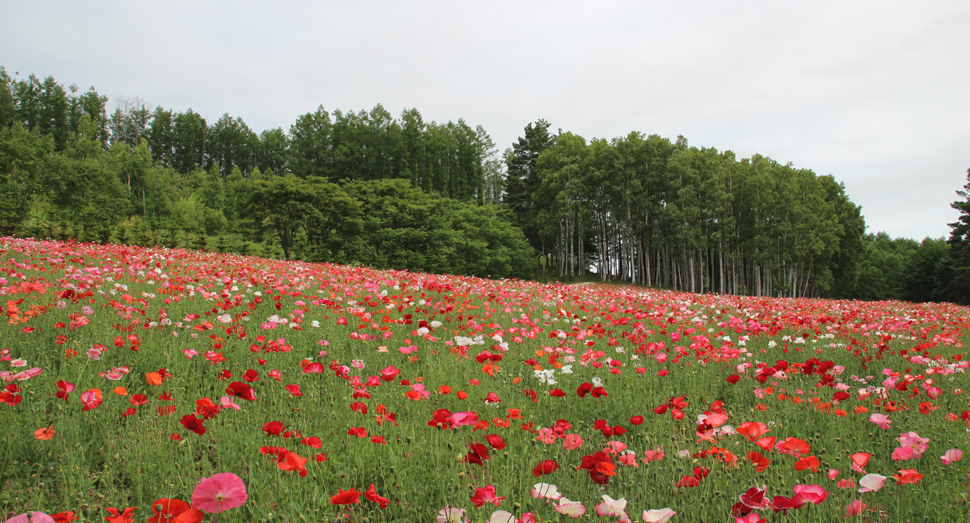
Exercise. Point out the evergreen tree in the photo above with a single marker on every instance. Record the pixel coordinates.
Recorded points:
(953, 272)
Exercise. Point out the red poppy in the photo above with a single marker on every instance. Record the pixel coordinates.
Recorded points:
(251, 376)
(546, 467)
(372, 495)
(584, 389)
(907, 476)
(358, 407)
(120, 517)
(495, 441)
(174, 511)
(688, 481)
(313, 368)
(558, 393)
(759, 461)
(598, 392)
(345, 497)
(191, 423)
(292, 461)
(314, 442)
(378, 439)
(360, 432)
(754, 498)
(273, 428)
(810, 462)
(65, 389)
(64, 517)
(241, 390)
(636, 420)
(733, 379)
(294, 390)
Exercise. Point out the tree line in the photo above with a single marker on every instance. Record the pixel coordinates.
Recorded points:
(365, 187)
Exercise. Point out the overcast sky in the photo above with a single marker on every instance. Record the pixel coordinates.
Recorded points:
(876, 93)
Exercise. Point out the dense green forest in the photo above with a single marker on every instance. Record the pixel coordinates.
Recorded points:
(368, 188)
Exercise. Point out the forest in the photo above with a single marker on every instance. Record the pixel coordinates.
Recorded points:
(366, 188)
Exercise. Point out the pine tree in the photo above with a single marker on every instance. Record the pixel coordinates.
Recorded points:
(953, 272)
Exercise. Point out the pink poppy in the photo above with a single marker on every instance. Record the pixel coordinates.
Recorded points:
(881, 420)
(31, 517)
(219, 492)
(951, 456)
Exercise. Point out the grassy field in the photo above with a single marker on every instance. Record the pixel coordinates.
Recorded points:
(344, 394)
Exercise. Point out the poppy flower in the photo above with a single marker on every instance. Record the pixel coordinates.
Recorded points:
(485, 495)
(854, 509)
(881, 420)
(193, 424)
(345, 497)
(614, 508)
(759, 461)
(360, 432)
(65, 388)
(814, 494)
(952, 456)
(546, 467)
(91, 399)
(546, 491)
(636, 420)
(31, 517)
(557, 393)
(661, 515)
(313, 368)
(754, 498)
(292, 461)
(871, 483)
(45, 433)
(584, 389)
(294, 390)
(241, 390)
(733, 379)
(219, 492)
(905, 476)
(371, 495)
(811, 462)
(120, 517)
(495, 441)
(451, 515)
(573, 509)
(174, 511)
(859, 460)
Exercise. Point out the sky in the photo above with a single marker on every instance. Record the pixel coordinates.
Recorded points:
(875, 93)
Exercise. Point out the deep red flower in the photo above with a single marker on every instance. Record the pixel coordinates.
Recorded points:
(251, 376)
(372, 495)
(190, 422)
(755, 498)
(241, 390)
(273, 428)
(733, 379)
(360, 432)
(314, 442)
(120, 517)
(345, 497)
(138, 400)
(546, 467)
(495, 441)
(636, 420)
(584, 389)
(558, 393)
(174, 511)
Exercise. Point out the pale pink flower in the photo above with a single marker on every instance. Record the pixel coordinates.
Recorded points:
(881, 420)
(661, 515)
(871, 483)
(614, 508)
(451, 515)
(951, 456)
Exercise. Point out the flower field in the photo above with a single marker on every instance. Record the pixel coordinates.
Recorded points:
(172, 385)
